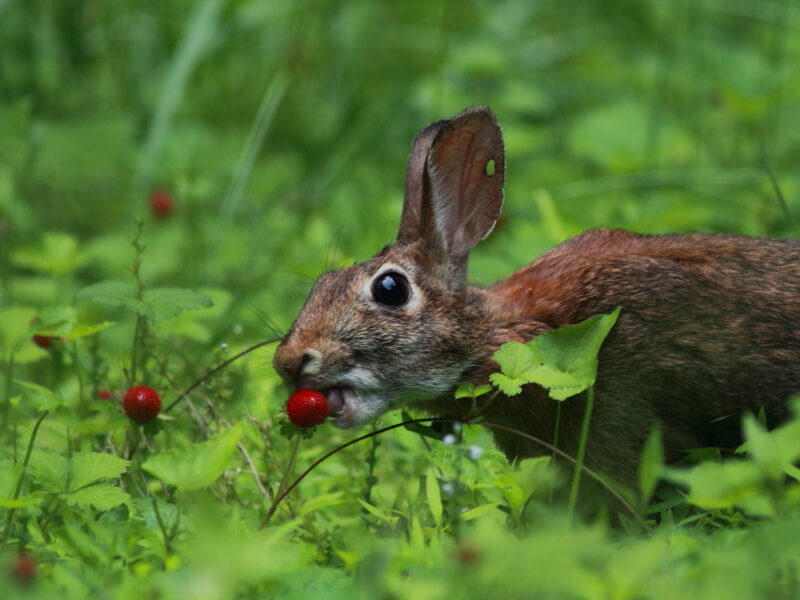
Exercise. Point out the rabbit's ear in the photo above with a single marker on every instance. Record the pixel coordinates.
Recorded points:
(457, 195)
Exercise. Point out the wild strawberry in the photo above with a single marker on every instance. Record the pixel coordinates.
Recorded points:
(104, 394)
(307, 408)
(161, 203)
(24, 568)
(142, 404)
(43, 341)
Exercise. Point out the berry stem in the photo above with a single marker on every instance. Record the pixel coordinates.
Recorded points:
(279, 497)
(219, 367)
(289, 466)
(21, 479)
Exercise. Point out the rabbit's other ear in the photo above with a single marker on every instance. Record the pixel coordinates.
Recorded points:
(457, 195)
(416, 206)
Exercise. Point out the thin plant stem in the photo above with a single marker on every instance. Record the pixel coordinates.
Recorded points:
(576, 475)
(218, 368)
(497, 426)
(281, 494)
(21, 479)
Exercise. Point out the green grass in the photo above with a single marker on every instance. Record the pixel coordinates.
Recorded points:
(281, 130)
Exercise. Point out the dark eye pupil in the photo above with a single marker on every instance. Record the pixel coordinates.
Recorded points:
(390, 289)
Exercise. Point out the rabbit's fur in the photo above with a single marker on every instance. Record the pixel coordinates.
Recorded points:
(708, 328)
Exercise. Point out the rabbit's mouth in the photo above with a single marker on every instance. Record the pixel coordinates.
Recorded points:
(350, 406)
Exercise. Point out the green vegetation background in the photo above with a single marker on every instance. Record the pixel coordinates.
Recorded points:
(281, 130)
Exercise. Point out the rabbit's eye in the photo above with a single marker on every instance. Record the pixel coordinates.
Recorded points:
(391, 289)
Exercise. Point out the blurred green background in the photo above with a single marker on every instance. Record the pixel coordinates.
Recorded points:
(282, 129)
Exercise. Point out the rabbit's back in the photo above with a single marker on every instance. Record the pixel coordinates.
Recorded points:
(709, 328)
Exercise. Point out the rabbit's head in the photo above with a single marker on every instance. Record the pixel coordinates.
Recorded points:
(404, 325)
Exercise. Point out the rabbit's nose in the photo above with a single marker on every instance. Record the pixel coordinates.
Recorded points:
(293, 366)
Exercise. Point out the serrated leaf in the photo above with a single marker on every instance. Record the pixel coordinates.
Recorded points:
(156, 304)
(49, 469)
(434, 497)
(507, 385)
(515, 360)
(651, 464)
(93, 466)
(102, 496)
(198, 466)
(165, 303)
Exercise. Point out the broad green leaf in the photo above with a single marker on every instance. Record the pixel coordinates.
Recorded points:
(165, 303)
(56, 320)
(563, 360)
(157, 304)
(720, 485)
(57, 254)
(102, 496)
(434, 497)
(651, 464)
(38, 395)
(199, 465)
(90, 467)
(49, 469)
(82, 330)
(15, 328)
(570, 354)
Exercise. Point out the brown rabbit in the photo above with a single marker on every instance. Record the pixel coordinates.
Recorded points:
(709, 328)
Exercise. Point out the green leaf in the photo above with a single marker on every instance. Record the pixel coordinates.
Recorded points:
(103, 496)
(434, 497)
(56, 320)
(478, 511)
(465, 389)
(22, 501)
(563, 360)
(157, 304)
(720, 485)
(651, 464)
(199, 465)
(165, 303)
(15, 329)
(49, 469)
(568, 355)
(90, 467)
(375, 512)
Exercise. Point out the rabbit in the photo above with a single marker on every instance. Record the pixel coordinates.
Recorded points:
(709, 324)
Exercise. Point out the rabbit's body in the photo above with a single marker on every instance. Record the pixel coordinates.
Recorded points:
(710, 324)
(709, 328)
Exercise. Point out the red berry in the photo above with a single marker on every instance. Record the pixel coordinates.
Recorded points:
(307, 408)
(161, 203)
(24, 568)
(142, 404)
(43, 341)
(104, 394)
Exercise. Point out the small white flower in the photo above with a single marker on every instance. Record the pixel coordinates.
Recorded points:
(448, 488)
(475, 452)
(237, 329)
(449, 439)
(223, 346)
(457, 427)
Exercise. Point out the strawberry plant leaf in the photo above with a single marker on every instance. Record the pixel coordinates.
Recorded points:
(103, 496)
(49, 469)
(92, 466)
(165, 303)
(198, 466)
